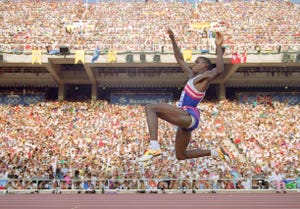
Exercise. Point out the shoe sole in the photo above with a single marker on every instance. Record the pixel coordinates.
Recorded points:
(221, 153)
(156, 155)
(145, 158)
(148, 157)
(226, 157)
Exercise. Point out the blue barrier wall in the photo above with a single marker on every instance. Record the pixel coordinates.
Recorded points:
(26, 99)
(267, 97)
(139, 99)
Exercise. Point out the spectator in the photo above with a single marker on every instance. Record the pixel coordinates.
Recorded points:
(102, 24)
(52, 51)
(29, 133)
(298, 181)
(278, 180)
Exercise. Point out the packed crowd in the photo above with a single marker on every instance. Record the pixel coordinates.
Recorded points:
(91, 144)
(141, 26)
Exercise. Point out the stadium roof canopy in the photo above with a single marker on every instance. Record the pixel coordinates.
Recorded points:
(273, 70)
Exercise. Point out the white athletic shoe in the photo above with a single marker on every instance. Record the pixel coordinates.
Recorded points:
(149, 154)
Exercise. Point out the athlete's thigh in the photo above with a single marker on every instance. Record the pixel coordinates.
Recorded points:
(172, 114)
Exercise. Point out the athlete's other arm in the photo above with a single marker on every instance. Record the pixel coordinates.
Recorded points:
(218, 70)
(178, 55)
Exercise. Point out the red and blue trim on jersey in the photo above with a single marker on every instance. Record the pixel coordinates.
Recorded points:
(191, 97)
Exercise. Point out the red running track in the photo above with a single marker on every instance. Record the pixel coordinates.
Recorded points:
(150, 201)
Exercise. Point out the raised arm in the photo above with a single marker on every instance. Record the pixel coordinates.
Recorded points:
(218, 70)
(178, 55)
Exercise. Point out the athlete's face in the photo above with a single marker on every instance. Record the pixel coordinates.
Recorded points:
(200, 65)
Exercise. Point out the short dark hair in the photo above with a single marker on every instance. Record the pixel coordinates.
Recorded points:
(205, 59)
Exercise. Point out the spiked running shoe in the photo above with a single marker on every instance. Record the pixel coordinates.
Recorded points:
(149, 154)
(222, 154)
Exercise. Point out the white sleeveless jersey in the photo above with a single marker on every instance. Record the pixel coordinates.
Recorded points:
(190, 96)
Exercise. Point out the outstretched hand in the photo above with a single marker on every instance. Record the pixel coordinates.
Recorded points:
(219, 38)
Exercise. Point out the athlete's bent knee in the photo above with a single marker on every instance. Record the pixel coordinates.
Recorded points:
(149, 107)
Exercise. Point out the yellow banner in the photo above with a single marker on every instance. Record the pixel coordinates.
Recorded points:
(79, 56)
(187, 55)
(200, 25)
(36, 56)
(112, 56)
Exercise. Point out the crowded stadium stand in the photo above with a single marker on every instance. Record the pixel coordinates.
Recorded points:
(75, 76)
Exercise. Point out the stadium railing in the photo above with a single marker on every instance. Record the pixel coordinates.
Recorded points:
(143, 185)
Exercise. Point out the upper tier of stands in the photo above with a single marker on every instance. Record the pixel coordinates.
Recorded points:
(141, 26)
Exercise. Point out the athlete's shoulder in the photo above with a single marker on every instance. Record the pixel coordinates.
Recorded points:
(199, 78)
(200, 82)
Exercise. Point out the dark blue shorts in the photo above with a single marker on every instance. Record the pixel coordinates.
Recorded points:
(195, 113)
